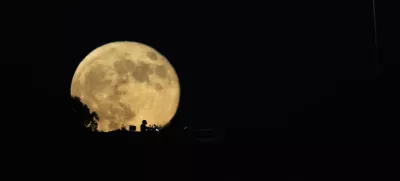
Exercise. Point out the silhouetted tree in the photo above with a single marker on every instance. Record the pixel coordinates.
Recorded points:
(83, 115)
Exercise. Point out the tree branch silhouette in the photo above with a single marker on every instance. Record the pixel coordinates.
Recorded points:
(84, 118)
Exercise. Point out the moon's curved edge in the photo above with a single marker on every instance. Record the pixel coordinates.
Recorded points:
(106, 45)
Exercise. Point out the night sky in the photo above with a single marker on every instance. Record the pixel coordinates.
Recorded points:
(270, 72)
(277, 72)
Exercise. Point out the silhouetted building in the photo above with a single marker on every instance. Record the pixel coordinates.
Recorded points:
(132, 128)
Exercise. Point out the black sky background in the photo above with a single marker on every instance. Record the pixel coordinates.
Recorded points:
(267, 72)
(277, 72)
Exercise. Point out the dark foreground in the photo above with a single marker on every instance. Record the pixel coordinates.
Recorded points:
(125, 137)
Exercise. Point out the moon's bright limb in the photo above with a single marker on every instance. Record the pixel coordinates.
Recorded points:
(125, 83)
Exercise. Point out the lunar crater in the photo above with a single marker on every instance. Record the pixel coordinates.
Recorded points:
(158, 87)
(141, 73)
(152, 55)
(124, 66)
(161, 71)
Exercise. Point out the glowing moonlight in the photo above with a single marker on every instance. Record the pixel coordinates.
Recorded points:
(125, 83)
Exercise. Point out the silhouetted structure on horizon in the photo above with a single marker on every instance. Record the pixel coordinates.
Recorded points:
(84, 129)
(132, 128)
(145, 128)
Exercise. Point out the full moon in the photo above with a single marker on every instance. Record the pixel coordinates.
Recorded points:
(125, 83)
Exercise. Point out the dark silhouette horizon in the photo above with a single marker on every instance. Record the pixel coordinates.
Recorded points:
(82, 113)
